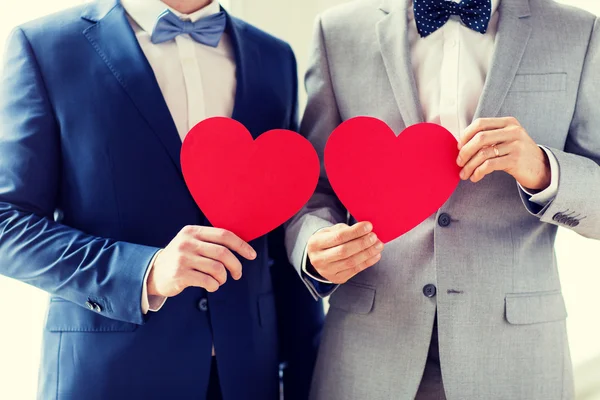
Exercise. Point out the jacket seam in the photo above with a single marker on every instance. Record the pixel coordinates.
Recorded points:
(58, 365)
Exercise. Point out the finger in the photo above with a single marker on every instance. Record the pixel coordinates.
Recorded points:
(357, 259)
(314, 242)
(210, 267)
(343, 235)
(346, 275)
(348, 249)
(483, 124)
(489, 166)
(485, 139)
(224, 238)
(201, 280)
(223, 255)
(333, 228)
(482, 155)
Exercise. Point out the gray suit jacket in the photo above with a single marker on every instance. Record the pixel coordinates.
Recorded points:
(500, 309)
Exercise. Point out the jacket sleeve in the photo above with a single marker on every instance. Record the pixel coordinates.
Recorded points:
(321, 117)
(33, 247)
(300, 318)
(575, 205)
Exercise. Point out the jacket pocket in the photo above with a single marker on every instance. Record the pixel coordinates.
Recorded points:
(535, 308)
(354, 298)
(65, 316)
(551, 82)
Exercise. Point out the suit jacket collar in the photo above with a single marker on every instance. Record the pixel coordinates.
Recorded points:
(387, 6)
(512, 37)
(97, 10)
(248, 64)
(392, 35)
(112, 37)
(514, 30)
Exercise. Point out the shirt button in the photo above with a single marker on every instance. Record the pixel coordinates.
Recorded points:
(453, 43)
(203, 305)
(429, 290)
(444, 220)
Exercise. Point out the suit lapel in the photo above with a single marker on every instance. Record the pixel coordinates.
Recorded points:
(392, 34)
(514, 29)
(114, 41)
(247, 58)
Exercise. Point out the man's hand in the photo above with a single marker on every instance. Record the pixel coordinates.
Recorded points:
(198, 256)
(341, 251)
(501, 144)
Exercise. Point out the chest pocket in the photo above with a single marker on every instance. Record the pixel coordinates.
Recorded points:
(551, 82)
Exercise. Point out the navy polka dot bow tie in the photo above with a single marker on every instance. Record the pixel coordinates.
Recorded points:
(431, 15)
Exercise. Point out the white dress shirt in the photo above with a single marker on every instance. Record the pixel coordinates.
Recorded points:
(450, 68)
(197, 81)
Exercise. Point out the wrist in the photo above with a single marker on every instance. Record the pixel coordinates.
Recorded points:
(546, 174)
(151, 283)
(544, 177)
(313, 273)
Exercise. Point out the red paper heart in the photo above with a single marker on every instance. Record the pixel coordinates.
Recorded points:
(394, 182)
(247, 186)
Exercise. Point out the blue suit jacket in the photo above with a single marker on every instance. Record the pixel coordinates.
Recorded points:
(91, 187)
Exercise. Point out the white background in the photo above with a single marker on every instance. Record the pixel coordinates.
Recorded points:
(22, 308)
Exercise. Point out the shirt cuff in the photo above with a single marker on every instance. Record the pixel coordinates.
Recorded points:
(319, 286)
(312, 274)
(151, 303)
(546, 196)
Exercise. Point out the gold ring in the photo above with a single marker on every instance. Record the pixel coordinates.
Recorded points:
(496, 150)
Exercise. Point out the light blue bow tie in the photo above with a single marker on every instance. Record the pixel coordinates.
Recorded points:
(207, 31)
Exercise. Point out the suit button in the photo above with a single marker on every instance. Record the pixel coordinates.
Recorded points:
(575, 223)
(564, 220)
(93, 306)
(557, 217)
(203, 305)
(58, 216)
(444, 220)
(429, 290)
(569, 221)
